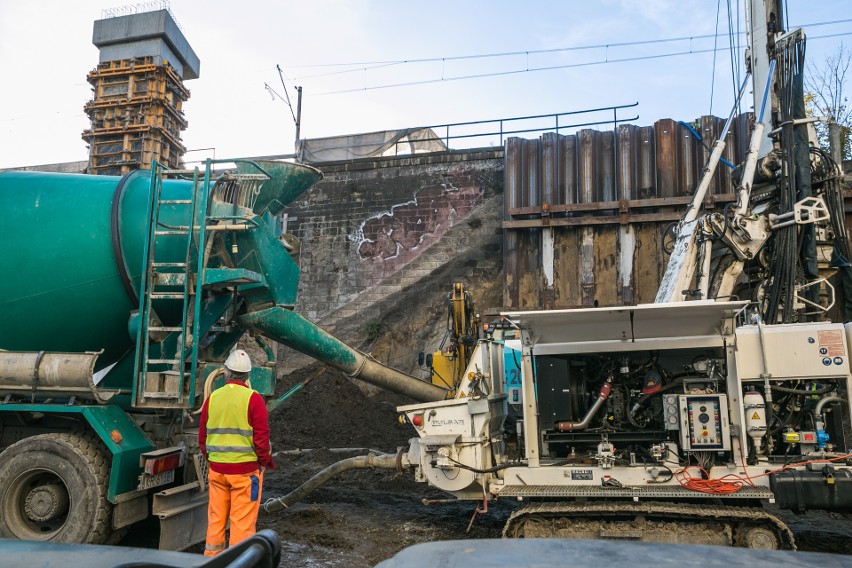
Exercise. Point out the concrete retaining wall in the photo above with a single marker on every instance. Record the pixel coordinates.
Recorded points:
(373, 228)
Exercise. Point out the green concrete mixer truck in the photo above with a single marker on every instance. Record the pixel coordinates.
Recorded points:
(119, 299)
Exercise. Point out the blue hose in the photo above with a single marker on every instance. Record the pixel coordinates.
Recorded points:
(698, 137)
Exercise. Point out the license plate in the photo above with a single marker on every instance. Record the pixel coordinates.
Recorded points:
(148, 481)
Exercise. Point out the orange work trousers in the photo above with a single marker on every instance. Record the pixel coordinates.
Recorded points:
(234, 497)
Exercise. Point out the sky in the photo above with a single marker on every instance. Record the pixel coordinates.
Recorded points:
(371, 45)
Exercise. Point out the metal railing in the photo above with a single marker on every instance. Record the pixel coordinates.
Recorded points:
(495, 130)
(140, 8)
(503, 125)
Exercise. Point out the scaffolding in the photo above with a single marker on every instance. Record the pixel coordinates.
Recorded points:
(136, 116)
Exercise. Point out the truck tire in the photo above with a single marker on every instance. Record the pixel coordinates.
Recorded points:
(54, 487)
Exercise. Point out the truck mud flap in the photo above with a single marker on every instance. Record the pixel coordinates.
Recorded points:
(183, 516)
(129, 508)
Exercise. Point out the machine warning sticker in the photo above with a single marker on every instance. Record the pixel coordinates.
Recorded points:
(581, 475)
(832, 342)
(838, 360)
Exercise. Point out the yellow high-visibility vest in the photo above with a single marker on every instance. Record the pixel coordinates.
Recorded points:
(229, 434)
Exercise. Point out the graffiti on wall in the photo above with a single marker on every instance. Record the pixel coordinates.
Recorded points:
(404, 230)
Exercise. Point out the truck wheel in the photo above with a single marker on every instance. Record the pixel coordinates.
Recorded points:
(54, 487)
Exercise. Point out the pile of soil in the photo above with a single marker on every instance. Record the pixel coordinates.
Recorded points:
(365, 516)
(332, 412)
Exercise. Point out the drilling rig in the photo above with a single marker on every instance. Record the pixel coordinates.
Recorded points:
(678, 421)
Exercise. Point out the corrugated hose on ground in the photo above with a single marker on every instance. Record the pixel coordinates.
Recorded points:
(371, 461)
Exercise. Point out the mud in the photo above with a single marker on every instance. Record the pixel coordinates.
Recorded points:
(362, 516)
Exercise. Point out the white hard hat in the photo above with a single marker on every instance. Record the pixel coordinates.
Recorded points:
(238, 361)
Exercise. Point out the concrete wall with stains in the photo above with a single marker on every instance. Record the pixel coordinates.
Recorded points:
(375, 227)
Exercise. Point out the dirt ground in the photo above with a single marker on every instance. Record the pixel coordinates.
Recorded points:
(363, 517)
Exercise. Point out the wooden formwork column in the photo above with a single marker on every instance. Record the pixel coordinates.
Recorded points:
(137, 107)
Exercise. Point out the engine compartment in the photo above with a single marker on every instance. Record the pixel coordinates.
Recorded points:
(655, 403)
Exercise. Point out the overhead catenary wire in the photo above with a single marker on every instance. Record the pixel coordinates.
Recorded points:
(511, 72)
(527, 69)
(734, 47)
(527, 52)
(713, 68)
(735, 78)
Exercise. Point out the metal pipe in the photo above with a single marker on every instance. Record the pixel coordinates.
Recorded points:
(371, 461)
(712, 162)
(298, 114)
(704, 275)
(291, 329)
(826, 400)
(767, 386)
(835, 148)
(606, 389)
(744, 189)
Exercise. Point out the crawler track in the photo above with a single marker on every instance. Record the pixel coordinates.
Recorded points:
(652, 522)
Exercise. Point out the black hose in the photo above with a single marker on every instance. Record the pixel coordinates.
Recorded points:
(669, 229)
(489, 470)
(823, 390)
(676, 380)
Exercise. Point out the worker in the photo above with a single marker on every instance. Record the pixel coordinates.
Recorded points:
(234, 437)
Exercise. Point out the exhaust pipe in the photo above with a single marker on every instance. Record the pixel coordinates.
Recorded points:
(606, 389)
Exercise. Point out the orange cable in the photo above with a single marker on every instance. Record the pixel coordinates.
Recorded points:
(711, 486)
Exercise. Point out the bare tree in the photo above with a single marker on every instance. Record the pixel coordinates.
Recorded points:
(825, 85)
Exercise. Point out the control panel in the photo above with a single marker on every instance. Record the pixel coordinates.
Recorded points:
(704, 422)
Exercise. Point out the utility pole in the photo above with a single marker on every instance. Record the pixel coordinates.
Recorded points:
(298, 114)
(297, 118)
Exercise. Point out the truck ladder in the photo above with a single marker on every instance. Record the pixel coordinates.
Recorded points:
(161, 373)
(167, 355)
